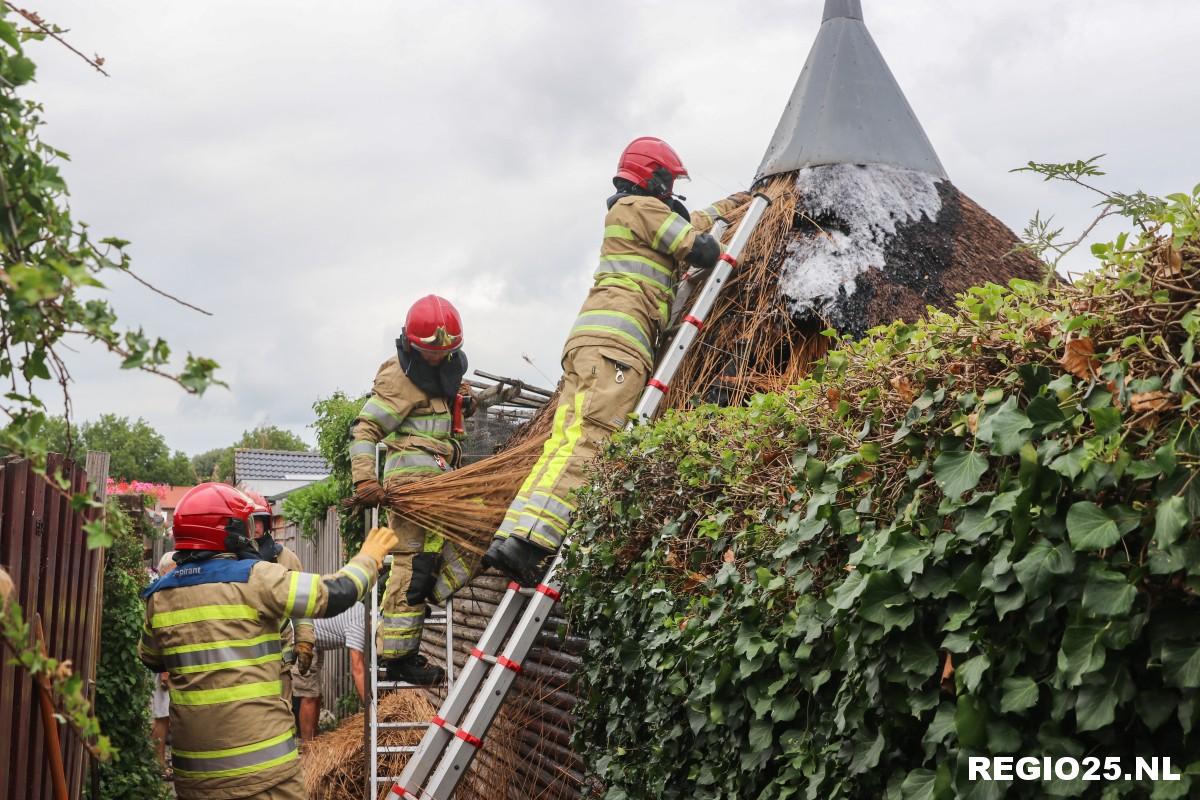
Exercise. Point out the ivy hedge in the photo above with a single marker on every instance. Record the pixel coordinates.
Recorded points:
(972, 535)
(123, 684)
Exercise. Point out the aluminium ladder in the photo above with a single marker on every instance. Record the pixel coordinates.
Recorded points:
(372, 725)
(456, 732)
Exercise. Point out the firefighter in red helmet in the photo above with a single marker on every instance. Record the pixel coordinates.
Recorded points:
(411, 412)
(648, 238)
(213, 625)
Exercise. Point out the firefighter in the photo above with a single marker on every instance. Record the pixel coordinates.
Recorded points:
(300, 657)
(213, 625)
(412, 412)
(648, 238)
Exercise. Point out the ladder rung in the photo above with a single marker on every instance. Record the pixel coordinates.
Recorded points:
(401, 725)
(399, 685)
(396, 748)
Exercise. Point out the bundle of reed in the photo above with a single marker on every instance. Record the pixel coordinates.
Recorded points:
(334, 763)
(466, 505)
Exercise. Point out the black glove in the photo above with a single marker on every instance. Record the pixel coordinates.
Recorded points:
(425, 567)
(469, 404)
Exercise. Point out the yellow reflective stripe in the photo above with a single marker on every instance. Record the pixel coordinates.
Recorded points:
(357, 575)
(662, 229)
(241, 662)
(208, 697)
(573, 432)
(293, 587)
(618, 232)
(234, 751)
(165, 619)
(617, 259)
(679, 238)
(192, 648)
(235, 771)
(433, 543)
(313, 593)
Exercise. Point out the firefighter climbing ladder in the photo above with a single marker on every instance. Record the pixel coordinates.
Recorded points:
(372, 724)
(456, 732)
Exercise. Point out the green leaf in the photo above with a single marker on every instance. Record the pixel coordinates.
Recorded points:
(1155, 707)
(1107, 419)
(1044, 413)
(1006, 428)
(1181, 664)
(1108, 593)
(8, 34)
(1170, 518)
(970, 672)
(959, 471)
(1071, 463)
(1020, 693)
(970, 721)
(886, 602)
(1089, 528)
(1082, 652)
(1095, 706)
(1039, 566)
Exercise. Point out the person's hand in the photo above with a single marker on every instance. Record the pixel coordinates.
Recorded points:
(367, 493)
(304, 657)
(379, 543)
(162, 679)
(469, 404)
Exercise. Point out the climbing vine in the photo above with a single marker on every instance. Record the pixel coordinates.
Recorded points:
(971, 535)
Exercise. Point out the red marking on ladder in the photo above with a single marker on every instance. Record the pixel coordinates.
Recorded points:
(546, 590)
(728, 259)
(513, 586)
(477, 653)
(657, 384)
(508, 663)
(699, 323)
(400, 791)
(474, 741)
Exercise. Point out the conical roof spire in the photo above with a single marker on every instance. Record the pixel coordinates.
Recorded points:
(847, 107)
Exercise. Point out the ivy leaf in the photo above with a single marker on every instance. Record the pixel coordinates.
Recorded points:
(959, 471)
(1071, 463)
(885, 602)
(1155, 707)
(1108, 593)
(920, 784)
(1095, 706)
(1005, 429)
(1170, 519)
(1082, 652)
(1181, 664)
(1020, 693)
(971, 671)
(1044, 413)
(1089, 528)
(970, 721)
(1041, 564)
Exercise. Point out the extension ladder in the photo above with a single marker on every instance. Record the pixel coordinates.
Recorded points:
(456, 733)
(373, 726)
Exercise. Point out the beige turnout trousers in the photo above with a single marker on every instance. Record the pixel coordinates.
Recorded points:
(600, 388)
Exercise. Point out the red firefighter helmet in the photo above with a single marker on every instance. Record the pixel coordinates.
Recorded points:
(652, 164)
(208, 513)
(261, 509)
(433, 325)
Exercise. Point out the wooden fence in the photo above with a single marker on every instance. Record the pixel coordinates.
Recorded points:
(44, 550)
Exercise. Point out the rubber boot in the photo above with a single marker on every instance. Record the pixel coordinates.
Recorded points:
(517, 558)
(414, 669)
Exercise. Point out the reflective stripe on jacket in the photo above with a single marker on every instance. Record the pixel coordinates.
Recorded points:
(415, 427)
(645, 244)
(213, 626)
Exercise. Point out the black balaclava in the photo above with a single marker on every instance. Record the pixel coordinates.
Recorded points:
(440, 381)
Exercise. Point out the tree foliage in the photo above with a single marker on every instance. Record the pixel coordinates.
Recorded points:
(48, 260)
(972, 535)
(307, 507)
(137, 451)
(217, 465)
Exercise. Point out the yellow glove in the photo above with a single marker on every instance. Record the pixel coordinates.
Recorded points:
(379, 543)
(304, 657)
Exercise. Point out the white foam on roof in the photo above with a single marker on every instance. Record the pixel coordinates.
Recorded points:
(870, 201)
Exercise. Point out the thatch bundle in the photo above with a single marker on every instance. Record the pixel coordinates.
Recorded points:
(335, 763)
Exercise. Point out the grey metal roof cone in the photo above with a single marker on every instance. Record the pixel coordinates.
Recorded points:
(847, 107)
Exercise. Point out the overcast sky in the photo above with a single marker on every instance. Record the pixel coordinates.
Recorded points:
(306, 170)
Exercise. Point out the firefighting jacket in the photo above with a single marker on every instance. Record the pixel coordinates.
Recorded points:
(213, 626)
(645, 245)
(415, 427)
(304, 631)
